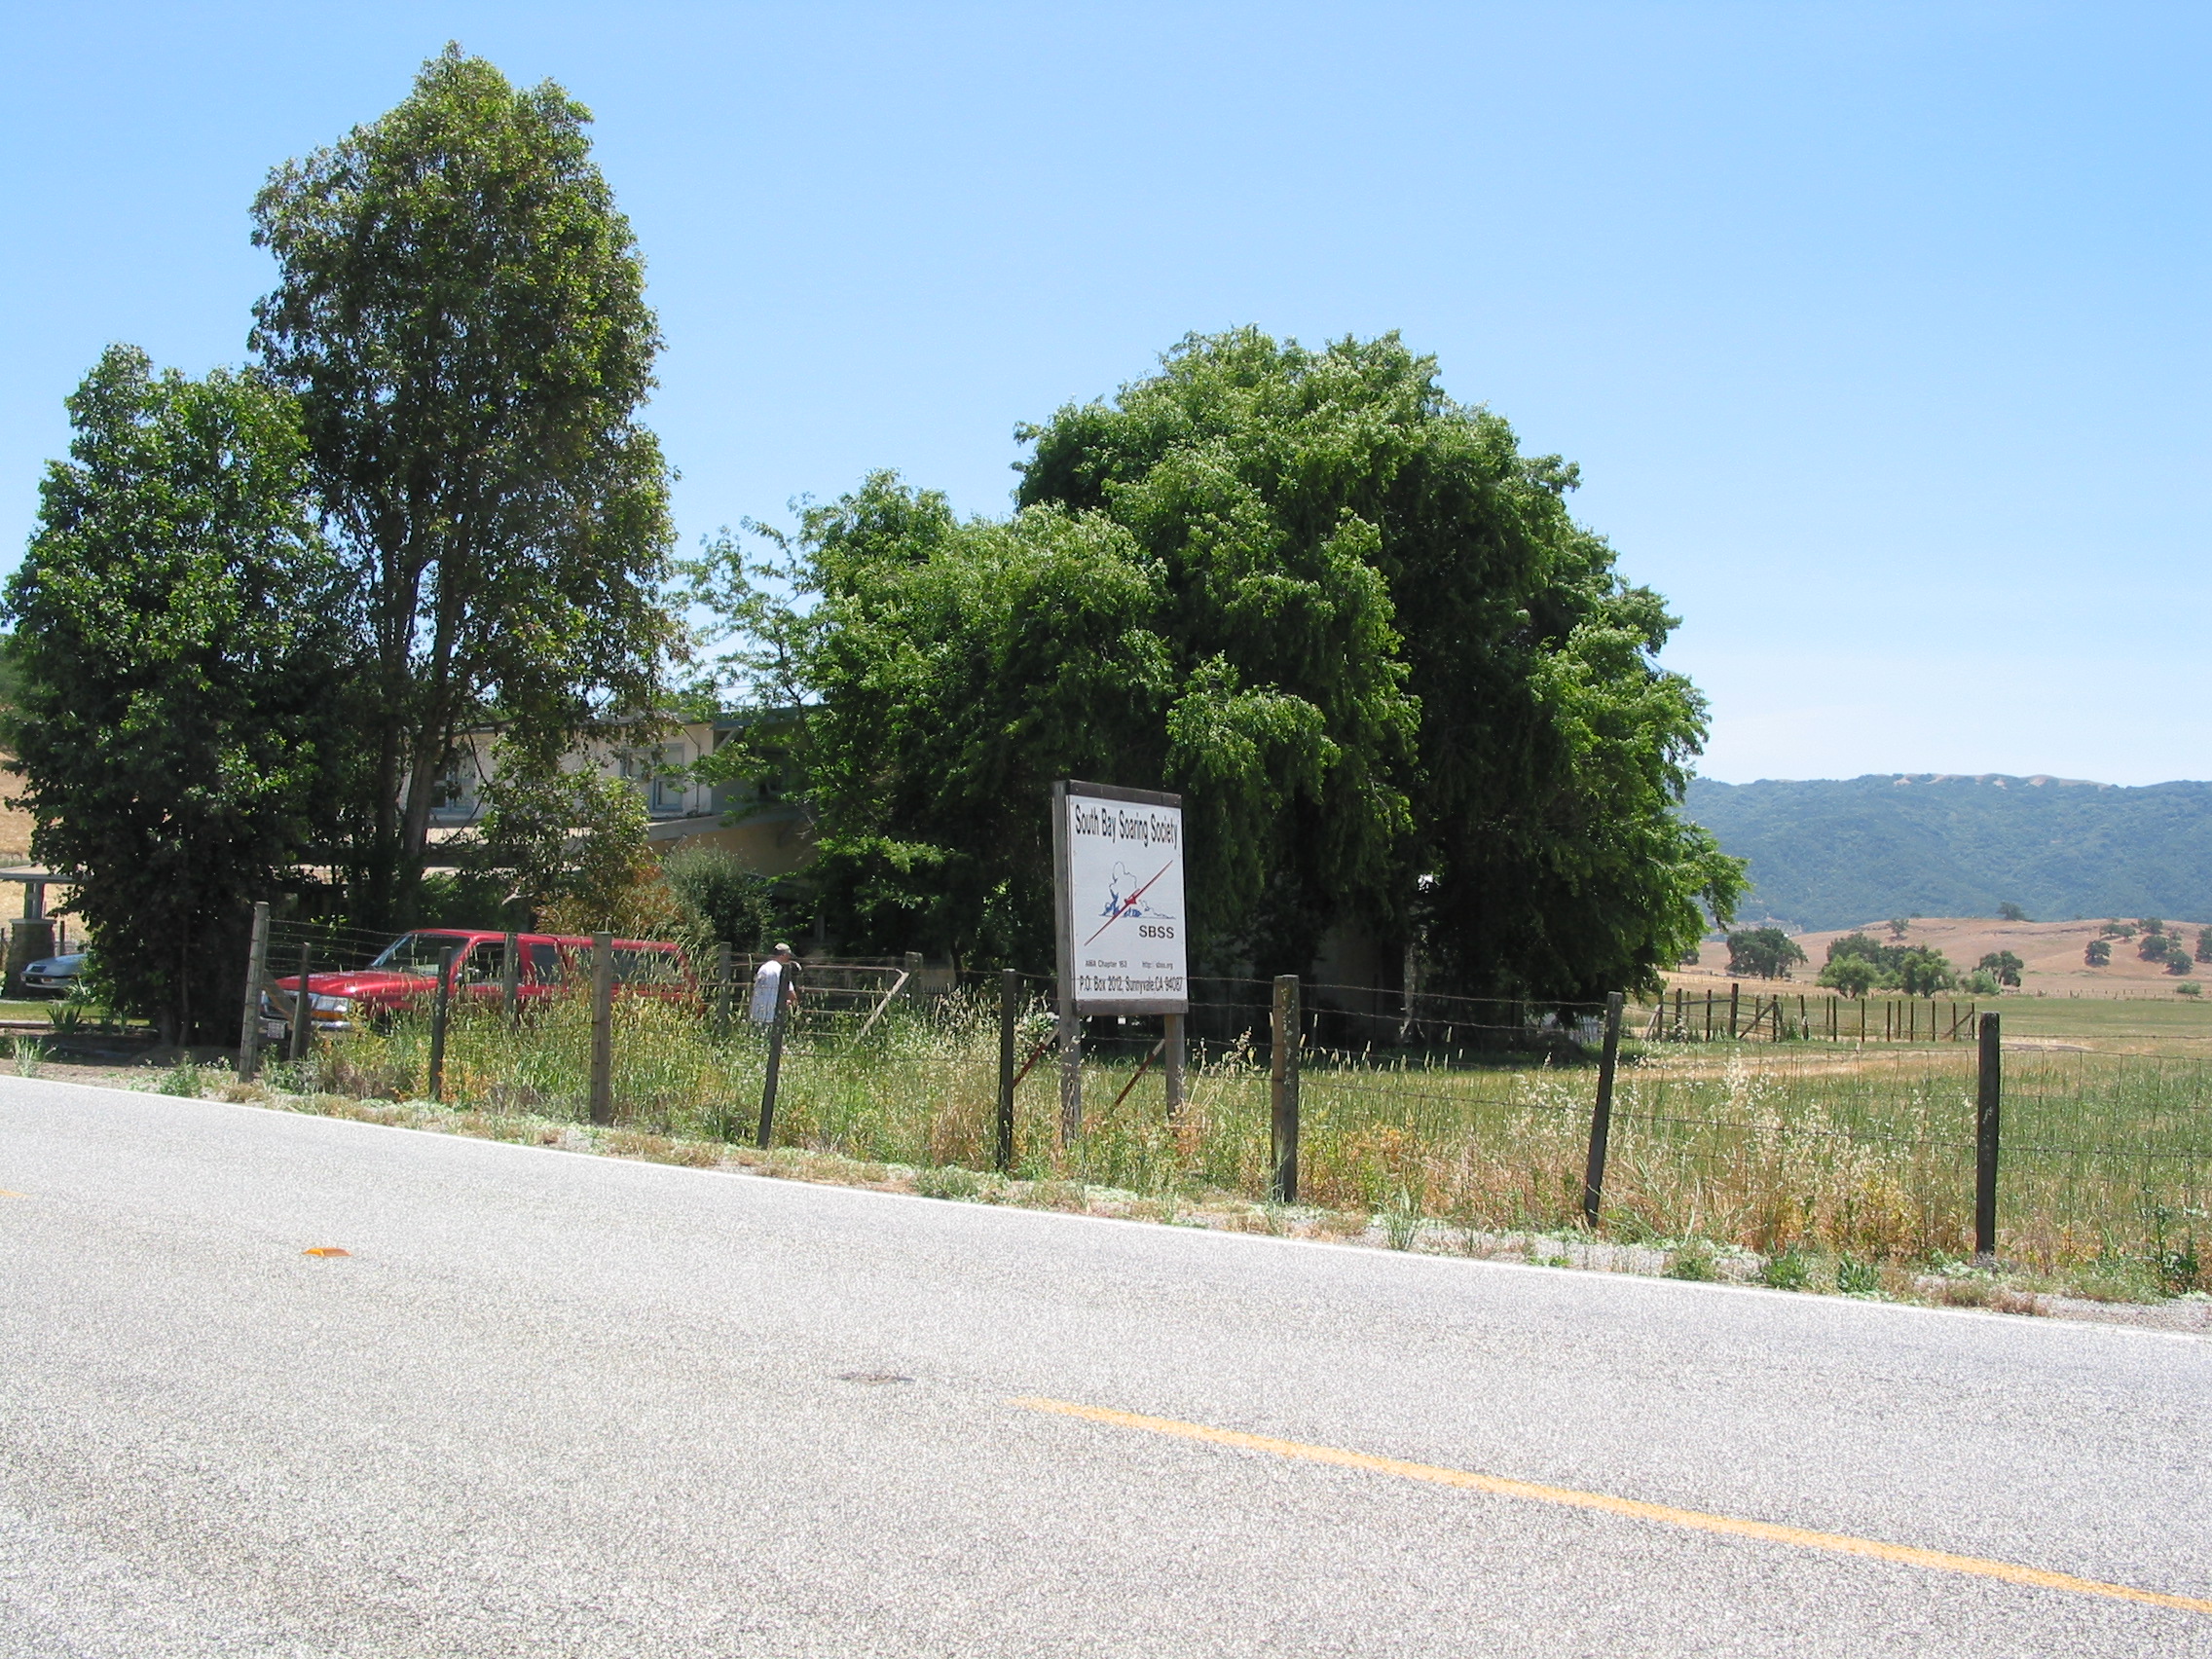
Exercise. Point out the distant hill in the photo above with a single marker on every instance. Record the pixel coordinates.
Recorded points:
(1834, 853)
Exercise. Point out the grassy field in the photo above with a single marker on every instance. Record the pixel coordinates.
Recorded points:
(1850, 1155)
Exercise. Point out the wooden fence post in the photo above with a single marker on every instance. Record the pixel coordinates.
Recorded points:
(510, 979)
(776, 1030)
(303, 1008)
(1071, 1071)
(1988, 1101)
(1735, 996)
(1009, 1016)
(1282, 1121)
(1171, 1059)
(1601, 1114)
(441, 1009)
(256, 971)
(603, 1028)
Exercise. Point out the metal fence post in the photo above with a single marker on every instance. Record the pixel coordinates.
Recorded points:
(303, 1007)
(256, 971)
(1009, 1016)
(441, 1009)
(603, 1028)
(1735, 999)
(510, 979)
(1283, 1125)
(1602, 1113)
(1989, 1097)
(776, 1032)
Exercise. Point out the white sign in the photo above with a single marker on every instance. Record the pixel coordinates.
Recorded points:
(1122, 926)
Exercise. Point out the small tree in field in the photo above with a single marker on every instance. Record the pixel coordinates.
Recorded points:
(2154, 946)
(1766, 953)
(1853, 975)
(2097, 953)
(1923, 971)
(1899, 926)
(2003, 967)
(2204, 944)
(2010, 912)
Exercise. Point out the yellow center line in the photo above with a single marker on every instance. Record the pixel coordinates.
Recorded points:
(1840, 1543)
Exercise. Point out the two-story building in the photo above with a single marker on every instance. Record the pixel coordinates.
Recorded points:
(770, 832)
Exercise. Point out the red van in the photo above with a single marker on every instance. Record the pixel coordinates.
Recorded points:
(405, 973)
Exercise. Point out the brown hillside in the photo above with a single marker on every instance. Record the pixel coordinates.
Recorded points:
(2051, 950)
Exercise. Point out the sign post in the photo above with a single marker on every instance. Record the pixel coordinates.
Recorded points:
(1117, 917)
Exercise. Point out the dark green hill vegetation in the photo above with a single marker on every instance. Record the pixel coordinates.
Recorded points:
(1835, 853)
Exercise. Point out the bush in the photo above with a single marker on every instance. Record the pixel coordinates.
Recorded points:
(722, 897)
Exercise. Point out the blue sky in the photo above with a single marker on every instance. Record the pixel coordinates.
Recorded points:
(1879, 331)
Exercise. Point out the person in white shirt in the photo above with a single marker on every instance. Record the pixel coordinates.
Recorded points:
(773, 975)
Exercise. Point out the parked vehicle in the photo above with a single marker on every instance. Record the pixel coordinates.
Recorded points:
(54, 975)
(404, 975)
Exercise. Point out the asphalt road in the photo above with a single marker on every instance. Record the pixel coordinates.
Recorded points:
(561, 1405)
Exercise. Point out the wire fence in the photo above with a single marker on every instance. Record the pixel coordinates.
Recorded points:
(1477, 1113)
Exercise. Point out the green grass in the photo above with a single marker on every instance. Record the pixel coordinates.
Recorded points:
(1778, 1149)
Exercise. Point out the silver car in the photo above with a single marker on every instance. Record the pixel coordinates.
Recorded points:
(54, 975)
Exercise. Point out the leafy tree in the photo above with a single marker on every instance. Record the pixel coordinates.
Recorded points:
(2003, 967)
(1899, 926)
(1506, 793)
(2151, 924)
(177, 623)
(2178, 960)
(2204, 944)
(1923, 971)
(1768, 953)
(2097, 953)
(2153, 946)
(2010, 912)
(2190, 990)
(1853, 975)
(2118, 930)
(462, 310)
(1981, 982)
